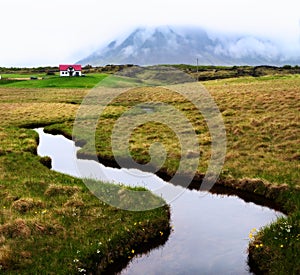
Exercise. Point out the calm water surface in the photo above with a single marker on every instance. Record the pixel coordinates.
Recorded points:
(210, 232)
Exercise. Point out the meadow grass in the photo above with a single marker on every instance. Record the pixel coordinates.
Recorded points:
(22, 75)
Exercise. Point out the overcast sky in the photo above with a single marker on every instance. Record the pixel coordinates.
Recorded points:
(49, 32)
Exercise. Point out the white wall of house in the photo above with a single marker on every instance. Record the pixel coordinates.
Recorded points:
(66, 73)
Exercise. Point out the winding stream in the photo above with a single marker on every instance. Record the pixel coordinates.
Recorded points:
(210, 232)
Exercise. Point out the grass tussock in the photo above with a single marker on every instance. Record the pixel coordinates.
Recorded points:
(74, 203)
(5, 256)
(56, 190)
(26, 204)
(16, 229)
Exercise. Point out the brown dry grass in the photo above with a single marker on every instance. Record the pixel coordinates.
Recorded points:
(26, 204)
(22, 95)
(5, 256)
(17, 228)
(263, 127)
(23, 114)
(24, 228)
(56, 190)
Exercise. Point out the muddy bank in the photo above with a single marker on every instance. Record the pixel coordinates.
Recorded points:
(140, 242)
(250, 190)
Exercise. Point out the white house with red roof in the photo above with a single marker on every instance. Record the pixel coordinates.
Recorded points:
(70, 70)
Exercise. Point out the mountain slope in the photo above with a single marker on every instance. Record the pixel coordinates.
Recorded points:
(166, 45)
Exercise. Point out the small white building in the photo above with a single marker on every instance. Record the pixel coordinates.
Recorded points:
(70, 70)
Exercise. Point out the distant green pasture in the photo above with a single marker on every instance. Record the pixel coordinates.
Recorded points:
(89, 81)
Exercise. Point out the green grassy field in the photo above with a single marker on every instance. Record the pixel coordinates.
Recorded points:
(23, 75)
(51, 81)
(261, 117)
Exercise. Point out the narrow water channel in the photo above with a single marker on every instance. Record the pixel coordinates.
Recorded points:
(210, 232)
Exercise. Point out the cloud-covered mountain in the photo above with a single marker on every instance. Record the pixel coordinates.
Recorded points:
(169, 45)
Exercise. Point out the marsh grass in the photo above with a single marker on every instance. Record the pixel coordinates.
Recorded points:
(29, 95)
(262, 124)
(261, 118)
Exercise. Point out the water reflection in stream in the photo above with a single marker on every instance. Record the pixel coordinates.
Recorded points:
(210, 231)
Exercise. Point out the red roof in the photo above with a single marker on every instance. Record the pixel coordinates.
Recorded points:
(65, 67)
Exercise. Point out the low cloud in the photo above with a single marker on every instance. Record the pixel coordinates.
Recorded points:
(248, 47)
